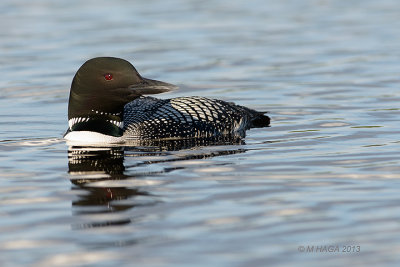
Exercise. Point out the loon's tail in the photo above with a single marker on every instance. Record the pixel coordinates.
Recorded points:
(259, 120)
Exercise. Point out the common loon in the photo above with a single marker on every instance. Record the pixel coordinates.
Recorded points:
(106, 105)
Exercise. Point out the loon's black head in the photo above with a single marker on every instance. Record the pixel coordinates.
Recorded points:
(101, 88)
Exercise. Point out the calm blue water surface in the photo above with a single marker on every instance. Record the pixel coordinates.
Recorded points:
(325, 174)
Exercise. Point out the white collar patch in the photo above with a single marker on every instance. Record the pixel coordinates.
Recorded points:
(73, 121)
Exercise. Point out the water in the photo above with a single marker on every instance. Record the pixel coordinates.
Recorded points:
(325, 174)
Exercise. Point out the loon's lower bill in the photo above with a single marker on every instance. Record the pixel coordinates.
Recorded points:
(106, 105)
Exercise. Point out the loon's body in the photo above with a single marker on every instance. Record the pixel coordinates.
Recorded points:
(107, 106)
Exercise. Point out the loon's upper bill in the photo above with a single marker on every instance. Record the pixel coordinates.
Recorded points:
(106, 105)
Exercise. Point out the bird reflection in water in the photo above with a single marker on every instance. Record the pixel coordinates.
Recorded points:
(94, 169)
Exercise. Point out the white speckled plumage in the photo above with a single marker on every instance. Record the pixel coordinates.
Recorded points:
(183, 117)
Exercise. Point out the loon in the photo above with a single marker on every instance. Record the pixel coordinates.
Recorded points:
(107, 105)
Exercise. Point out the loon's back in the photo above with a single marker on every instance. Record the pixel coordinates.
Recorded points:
(185, 117)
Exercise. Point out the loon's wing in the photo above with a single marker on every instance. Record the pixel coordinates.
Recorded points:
(226, 114)
(182, 117)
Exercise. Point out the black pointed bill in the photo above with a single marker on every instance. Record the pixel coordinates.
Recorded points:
(148, 87)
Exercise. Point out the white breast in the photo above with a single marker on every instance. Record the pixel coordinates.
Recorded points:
(88, 137)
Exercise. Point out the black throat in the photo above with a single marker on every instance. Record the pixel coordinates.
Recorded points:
(99, 126)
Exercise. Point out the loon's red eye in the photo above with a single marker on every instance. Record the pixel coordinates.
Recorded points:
(108, 76)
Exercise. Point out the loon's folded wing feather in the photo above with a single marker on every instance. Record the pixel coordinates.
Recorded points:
(148, 117)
